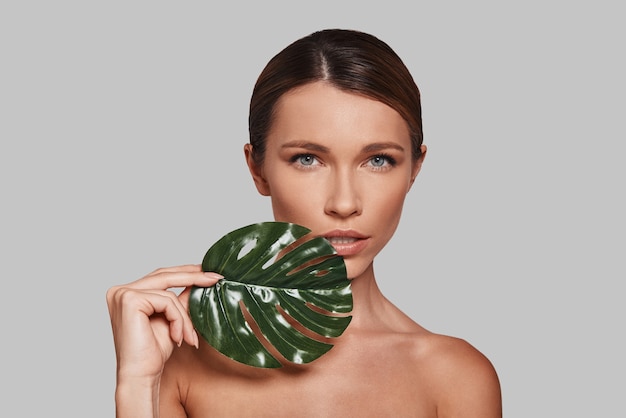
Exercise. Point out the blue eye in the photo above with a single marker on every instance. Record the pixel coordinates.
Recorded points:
(378, 161)
(382, 161)
(306, 159)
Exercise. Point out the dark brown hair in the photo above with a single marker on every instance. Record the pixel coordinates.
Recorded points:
(350, 60)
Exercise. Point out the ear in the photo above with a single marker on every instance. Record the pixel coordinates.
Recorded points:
(417, 165)
(257, 171)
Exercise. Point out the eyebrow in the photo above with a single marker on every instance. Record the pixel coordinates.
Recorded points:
(306, 145)
(377, 146)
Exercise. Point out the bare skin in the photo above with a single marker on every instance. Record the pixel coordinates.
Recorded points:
(334, 162)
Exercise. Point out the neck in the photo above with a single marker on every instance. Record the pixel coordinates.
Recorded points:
(369, 304)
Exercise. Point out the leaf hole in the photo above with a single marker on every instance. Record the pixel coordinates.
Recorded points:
(270, 262)
(301, 328)
(286, 250)
(323, 311)
(252, 324)
(312, 263)
(294, 245)
(245, 250)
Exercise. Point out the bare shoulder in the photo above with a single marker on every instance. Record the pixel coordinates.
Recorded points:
(464, 381)
(181, 367)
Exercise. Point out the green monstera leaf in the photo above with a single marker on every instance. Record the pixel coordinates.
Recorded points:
(273, 275)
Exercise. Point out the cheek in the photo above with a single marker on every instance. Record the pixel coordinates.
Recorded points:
(291, 202)
(387, 199)
(385, 210)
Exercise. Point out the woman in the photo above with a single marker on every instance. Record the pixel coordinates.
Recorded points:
(336, 143)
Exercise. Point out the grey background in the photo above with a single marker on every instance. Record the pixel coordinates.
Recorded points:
(122, 126)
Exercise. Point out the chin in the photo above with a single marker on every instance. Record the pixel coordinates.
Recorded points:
(355, 269)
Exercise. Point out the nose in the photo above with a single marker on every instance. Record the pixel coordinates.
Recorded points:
(343, 199)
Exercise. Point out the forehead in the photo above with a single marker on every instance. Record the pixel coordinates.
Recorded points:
(321, 112)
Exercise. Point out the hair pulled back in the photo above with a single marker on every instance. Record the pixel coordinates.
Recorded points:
(350, 60)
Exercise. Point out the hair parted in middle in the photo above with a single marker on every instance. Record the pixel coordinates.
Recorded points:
(352, 61)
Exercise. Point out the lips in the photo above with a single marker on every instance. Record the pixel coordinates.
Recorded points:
(346, 243)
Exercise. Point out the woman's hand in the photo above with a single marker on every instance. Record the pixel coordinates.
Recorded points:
(148, 319)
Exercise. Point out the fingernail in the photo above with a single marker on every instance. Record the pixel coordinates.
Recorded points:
(195, 338)
(212, 275)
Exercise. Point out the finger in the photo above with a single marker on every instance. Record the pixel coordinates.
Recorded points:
(168, 304)
(184, 298)
(172, 310)
(169, 294)
(173, 269)
(138, 308)
(188, 330)
(168, 279)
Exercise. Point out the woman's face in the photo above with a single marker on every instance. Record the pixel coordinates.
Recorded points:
(339, 164)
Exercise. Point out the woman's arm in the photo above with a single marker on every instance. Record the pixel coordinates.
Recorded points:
(147, 320)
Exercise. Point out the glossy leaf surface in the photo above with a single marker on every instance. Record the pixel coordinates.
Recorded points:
(270, 268)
